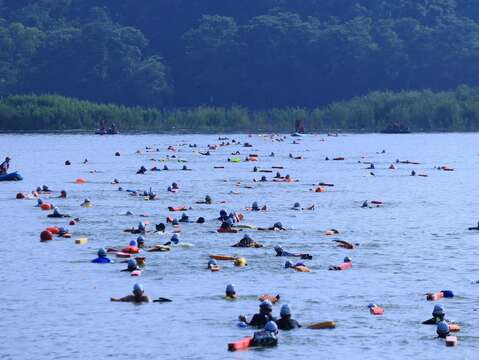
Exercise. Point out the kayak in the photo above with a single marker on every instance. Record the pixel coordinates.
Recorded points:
(14, 176)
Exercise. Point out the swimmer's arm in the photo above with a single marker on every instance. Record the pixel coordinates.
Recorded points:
(128, 298)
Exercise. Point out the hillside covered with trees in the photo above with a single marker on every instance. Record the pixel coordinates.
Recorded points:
(259, 55)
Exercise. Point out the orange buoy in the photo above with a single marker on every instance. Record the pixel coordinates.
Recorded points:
(241, 344)
(273, 298)
(223, 257)
(454, 327)
(80, 181)
(46, 206)
(53, 230)
(345, 266)
(376, 310)
(178, 208)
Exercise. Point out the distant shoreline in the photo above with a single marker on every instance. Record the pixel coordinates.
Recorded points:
(413, 111)
(226, 133)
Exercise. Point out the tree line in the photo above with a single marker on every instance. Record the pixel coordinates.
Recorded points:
(258, 54)
(456, 110)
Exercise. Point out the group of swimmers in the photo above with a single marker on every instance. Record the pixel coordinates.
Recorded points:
(264, 320)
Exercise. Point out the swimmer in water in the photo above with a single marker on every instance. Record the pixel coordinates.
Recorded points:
(138, 296)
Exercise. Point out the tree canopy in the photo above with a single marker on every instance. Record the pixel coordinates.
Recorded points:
(257, 54)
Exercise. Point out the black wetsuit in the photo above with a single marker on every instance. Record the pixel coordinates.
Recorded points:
(287, 324)
(259, 320)
(434, 321)
(264, 338)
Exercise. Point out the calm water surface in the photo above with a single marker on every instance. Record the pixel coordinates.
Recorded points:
(54, 303)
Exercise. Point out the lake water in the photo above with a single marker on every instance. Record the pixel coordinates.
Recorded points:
(55, 304)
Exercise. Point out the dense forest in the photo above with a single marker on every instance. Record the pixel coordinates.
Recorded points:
(181, 55)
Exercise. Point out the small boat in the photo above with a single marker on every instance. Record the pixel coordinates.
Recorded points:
(14, 176)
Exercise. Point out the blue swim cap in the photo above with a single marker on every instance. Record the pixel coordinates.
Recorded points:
(255, 205)
(271, 327)
(141, 225)
(230, 289)
(347, 259)
(371, 305)
(242, 325)
(133, 243)
(278, 225)
(442, 328)
(297, 205)
(175, 222)
(223, 213)
(285, 310)
(101, 252)
(247, 237)
(140, 239)
(132, 264)
(438, 310)
(174, 239)
(288, 264)
(266, 305)
(39, 201)
(278, 248)
(138, 288)
(212, 262)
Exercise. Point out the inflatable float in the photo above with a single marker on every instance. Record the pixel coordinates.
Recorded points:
(273, 298)
(322, 325)
(243, 344)
(81, 241)
(451, 341)
(376, 310)
(223, 257)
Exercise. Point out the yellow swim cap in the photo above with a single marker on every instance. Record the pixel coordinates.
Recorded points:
(241, 262)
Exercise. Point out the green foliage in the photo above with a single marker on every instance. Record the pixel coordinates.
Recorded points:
(420, 110)
(262, 54)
